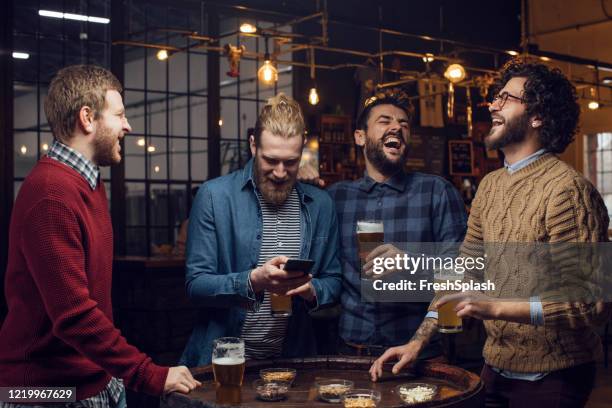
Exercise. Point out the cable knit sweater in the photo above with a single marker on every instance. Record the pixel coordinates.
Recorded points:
(549, 202)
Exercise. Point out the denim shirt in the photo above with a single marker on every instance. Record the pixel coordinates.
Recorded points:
(223, 245)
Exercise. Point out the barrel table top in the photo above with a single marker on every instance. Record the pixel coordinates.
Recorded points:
(457, 387)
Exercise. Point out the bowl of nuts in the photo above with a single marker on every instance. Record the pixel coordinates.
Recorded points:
(278, 374)
(413, 393)
(271, 390)
(361, 398)
(332, 390)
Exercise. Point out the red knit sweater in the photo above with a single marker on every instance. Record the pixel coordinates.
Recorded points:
(59, 329)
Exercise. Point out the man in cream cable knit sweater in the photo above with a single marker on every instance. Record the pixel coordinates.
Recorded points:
(537, 353)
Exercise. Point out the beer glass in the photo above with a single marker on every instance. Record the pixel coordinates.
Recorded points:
(448, 321)
(370, 234)
(280, 305)
(228, 369)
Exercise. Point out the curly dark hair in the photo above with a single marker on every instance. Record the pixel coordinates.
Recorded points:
(549, 95)
(395, 97)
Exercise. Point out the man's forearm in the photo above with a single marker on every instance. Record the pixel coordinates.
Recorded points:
(426, 330)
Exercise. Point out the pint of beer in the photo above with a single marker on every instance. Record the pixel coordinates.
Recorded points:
(448, 322)
(370, 234)
(280, 305)
(228, 368)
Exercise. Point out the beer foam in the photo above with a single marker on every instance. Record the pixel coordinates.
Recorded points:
(228, 360)
(370, 226)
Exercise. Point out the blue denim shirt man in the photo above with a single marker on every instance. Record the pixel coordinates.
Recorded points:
(225, 234)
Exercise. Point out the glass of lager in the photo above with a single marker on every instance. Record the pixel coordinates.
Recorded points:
(370, 234)
(448, 322)
(228, 368)
(280, 305)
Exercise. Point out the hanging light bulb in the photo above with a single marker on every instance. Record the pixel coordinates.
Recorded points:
(162, 55)
(313, 97)
(248, 28)
(455, 73)
(267, 73)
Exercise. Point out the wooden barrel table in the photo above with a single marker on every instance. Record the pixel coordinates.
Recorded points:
(457, 387)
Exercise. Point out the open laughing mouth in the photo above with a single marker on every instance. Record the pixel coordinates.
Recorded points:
(392, 144)
(496, 121)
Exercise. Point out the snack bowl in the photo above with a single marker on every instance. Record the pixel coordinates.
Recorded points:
(361, 398)
(271, 390)
(413, 393)
(278, 374)
(332, 390)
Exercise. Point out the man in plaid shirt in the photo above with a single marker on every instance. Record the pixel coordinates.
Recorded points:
(414, 207)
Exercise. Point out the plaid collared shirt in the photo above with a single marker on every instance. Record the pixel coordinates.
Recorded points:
(107, 398)
(76, 160)
(414, 207)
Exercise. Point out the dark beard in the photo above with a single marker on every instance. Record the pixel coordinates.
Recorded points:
(515, 132)
(374, 151)
(104, 148)
(271, 192)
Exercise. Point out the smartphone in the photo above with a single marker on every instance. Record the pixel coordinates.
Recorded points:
(299, 265)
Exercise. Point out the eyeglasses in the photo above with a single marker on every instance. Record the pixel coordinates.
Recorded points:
(502, 97)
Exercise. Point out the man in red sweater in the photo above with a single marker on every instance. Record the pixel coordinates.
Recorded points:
(59, 329)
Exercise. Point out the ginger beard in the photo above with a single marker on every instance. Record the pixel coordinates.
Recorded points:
(273, 191)
(107, 150)
(390, 161)
(506, 132)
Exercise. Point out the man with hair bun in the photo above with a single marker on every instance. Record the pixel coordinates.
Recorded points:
(243, 228)
(541, 352)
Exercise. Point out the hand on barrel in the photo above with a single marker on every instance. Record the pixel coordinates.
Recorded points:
(472, 304)
(405, 355)
(271, 277)
(179, 379)
(308, 174)
(382, 251)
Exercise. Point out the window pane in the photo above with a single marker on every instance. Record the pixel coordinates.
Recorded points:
(178, 159)
(156, 109)
(156, 72)
(25, 113)
(25, 152)
(199, 159)
(136, 241)
(229, 129)
(178, 115)
(135, 110)
(134, 67)
(158, 165)
(198, 116)
(197, 72)
(158, 204)
(178, 71)
(178, 203)
(135, 204)
(134, 156)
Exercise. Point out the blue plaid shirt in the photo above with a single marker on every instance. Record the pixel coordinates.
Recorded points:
(414, 207)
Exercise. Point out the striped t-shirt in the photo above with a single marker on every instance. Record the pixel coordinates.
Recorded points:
(263, 334)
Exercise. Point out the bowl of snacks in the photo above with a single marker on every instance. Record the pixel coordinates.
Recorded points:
(413, 393)
(361, 398)
(271, 390)
(278, 374)
(332, 390)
